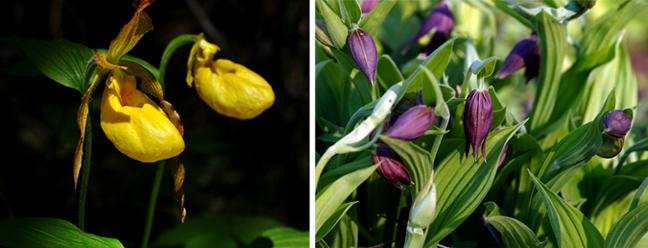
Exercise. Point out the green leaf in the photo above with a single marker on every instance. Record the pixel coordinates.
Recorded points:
(570, 227)
(552, 36)
(285, 237)
(332, 92)
(484, 68)
(462, 183)
(514, 232)
(372, 20)
(359, 79)
(604, 31)
(435, 62)
(351, 11)
(628, 230)
(578, 146)
(337, 30)
(387, 72)
(639, 198)
(509, 7)
(60, 60)
(49, 232)
(417, 161)
(345, 234)
(330, 198)
(333, 220)
(432, 91)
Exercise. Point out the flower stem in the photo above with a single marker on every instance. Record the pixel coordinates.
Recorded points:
(152, 201)
(87, 154)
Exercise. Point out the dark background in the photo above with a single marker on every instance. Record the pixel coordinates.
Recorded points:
(255, 167)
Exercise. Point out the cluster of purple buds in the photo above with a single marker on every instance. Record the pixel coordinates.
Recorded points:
(363, 52)
(441, 22)
(477, 120)
(616, 125)
(525, 53)
(410, 126)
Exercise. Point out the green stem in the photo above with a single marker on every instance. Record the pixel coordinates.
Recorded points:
(169, 50)
(151, 208)
(85, 175)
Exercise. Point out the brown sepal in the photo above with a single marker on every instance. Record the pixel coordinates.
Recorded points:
(178, 172)
(82, 117)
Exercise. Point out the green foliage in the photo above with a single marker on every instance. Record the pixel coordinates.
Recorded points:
(49, 232)
(583, 75)
(61, 60)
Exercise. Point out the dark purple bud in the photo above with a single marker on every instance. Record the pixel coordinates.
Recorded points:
(363, 52)
(368, 5)
(525, 53)
(617, 123)
(412, 124)
(441, 22)
(477, 118)
(392, 168)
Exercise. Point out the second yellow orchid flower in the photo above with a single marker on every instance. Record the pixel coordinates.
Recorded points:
(227, 87)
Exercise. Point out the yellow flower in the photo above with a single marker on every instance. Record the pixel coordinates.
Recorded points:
(227, 87)
(135, 124)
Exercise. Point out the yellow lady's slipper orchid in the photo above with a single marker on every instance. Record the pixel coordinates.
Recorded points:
(134, 123)
(227, 87)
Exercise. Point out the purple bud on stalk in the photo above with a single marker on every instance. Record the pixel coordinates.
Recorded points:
(617, 123)
(477, 119)
(441, 21)
(525, 53)
(392, 168)
(412, 124)
(363, 52)
(368, 5)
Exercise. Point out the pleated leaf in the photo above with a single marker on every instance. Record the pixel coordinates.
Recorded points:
(462, 183)
(570, 227)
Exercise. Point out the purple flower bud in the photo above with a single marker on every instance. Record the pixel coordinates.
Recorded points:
(441, 21)
(412, 124)
(525, 53)
(392, 168)
(363, 52)
(617, 123)
(477, 118)
(368, 5)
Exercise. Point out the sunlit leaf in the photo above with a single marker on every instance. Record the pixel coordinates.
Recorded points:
(570, 226)
(462, 183)
(49, 232)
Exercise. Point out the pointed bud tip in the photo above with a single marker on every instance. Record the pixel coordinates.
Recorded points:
(477, 118)
(363, 52)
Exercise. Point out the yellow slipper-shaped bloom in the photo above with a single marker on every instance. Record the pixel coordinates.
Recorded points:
(230, 88)
(135, 124)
